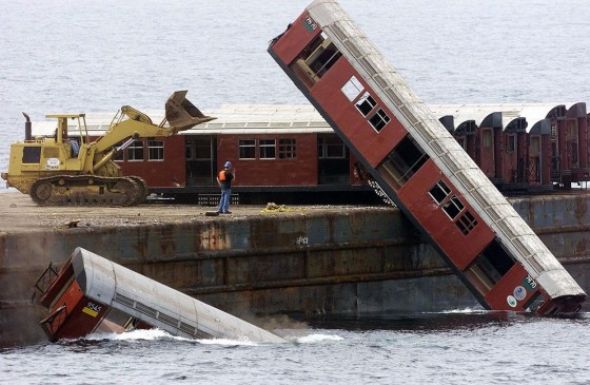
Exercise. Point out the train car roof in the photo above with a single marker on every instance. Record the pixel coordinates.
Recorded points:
(503, 115)
(295, 119)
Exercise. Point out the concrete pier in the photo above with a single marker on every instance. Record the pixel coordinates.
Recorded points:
(306, 261)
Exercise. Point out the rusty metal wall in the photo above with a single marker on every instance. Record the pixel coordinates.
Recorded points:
(358, 261)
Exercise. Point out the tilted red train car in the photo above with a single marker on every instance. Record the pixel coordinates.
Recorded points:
(403, 146)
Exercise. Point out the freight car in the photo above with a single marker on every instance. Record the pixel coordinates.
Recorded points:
(285, 153)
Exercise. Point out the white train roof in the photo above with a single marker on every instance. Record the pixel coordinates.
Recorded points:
(293, 119)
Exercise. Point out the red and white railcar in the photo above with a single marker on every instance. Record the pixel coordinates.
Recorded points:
(420, 166)
(280, 150)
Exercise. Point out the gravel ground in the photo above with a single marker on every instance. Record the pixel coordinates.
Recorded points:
(18, 213)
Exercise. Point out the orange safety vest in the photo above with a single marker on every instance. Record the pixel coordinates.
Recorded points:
(225, 176)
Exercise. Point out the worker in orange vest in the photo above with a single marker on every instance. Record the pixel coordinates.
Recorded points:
(224, 179)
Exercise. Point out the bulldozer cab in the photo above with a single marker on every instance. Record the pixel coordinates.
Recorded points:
(61, 132)
(181, 114)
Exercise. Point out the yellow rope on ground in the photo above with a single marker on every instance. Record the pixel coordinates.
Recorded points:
(272, 207)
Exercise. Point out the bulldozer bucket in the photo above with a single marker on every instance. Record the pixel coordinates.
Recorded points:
(181, 114)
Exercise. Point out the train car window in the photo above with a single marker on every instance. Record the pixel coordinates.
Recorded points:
(466, 223)
(31, 154)
(352, 88)
(119, 155)
(490, 266)
(511, 143)
(267, 148)
(287, 149)
(365, 104)
(155, 150)
(247, 149)
(439, 192)
(379, 120)
(403, 161)
(135, 151)
(316, 59)
(479, 279)
(553, 129)
(323, 58)
(331, 147)
(203, 148)
(453, 207)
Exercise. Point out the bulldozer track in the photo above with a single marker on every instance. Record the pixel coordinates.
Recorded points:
(88, 190)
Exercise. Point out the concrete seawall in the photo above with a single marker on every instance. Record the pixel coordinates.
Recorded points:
(309, 261)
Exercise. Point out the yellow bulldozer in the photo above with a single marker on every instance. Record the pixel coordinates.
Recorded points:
(61, 171)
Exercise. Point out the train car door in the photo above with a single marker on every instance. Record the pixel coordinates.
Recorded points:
(201, 160)
(333, 160)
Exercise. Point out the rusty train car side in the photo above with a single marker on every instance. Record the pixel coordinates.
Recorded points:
(527, 148)
(280, 150)
(420, 165)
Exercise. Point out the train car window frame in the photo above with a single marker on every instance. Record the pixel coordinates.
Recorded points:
(439, 192)
(204, 150)
(404, 160)
(247, 149)
(466, 222)
(331, 147)
(379, 120)
(267, 149)
(316, 59)
(155, 150)
(511, 143)
(136, 151)
(453, 207)
(287, 148)
(365, 104)
(323, 58)
(352, 88)
(119, 156)
(490, 266)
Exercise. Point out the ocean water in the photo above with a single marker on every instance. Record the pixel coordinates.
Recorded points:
(80, 56)
(77, 56)
(454, 348)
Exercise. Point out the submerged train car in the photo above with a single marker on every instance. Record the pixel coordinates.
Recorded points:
(420, 166)
(93, 294)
